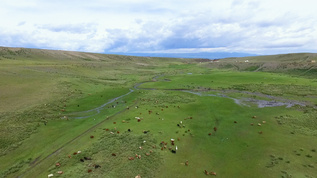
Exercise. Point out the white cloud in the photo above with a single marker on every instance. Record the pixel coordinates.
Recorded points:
(252, 26)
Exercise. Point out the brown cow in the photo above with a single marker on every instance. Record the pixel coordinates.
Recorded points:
(131, 158)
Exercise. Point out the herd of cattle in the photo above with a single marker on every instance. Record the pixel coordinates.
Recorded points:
(162, 144)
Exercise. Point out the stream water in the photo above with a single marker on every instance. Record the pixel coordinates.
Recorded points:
(240, 101)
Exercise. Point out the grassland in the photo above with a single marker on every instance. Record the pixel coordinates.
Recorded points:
(52, 102)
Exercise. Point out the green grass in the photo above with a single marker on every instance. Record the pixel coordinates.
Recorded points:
(39, 86)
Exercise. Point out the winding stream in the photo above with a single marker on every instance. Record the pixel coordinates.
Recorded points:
(275, 101)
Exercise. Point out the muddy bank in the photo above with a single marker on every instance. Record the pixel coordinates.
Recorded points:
(259, 103)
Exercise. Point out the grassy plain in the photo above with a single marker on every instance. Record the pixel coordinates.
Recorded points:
(44, 93)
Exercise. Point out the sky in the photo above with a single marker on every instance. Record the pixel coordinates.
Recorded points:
(161, 26)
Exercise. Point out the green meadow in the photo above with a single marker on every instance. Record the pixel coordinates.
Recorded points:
(75, 114)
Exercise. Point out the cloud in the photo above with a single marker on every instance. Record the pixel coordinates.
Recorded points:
(252, 26)
(69, 28)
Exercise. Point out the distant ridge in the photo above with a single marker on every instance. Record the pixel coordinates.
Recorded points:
(205, 55)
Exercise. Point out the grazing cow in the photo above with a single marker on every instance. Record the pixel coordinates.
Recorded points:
(252, 124)
(151, 151)
(263, 122)
(139, 156)
(91, 136)
(60, 172)
(131, 158)
(138, 176)
(147, 154)
(162, 148)
(129, 130)
(209, 134)
(114, 122)
(113, 154)
(166, 106)
(174, 151)
(253, 117)
(97, 166)
(87, 158)
(78, 152)
(215, 129)
(206, 172)
(50, 175)
(260, 132)
(213, 173)
(69, 156)
(190, 117)
(82, 160)
(235, 122)
(89, 170)
(58, 164)
(259, 124)
(170, 148)
(107, 129)
(178, 139)
(186, 162)
(162, 109)
(140, 147)
(118, 132)
(75, 153)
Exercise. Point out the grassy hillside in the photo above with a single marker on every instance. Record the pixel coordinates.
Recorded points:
(299, 64)
(232, 117)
